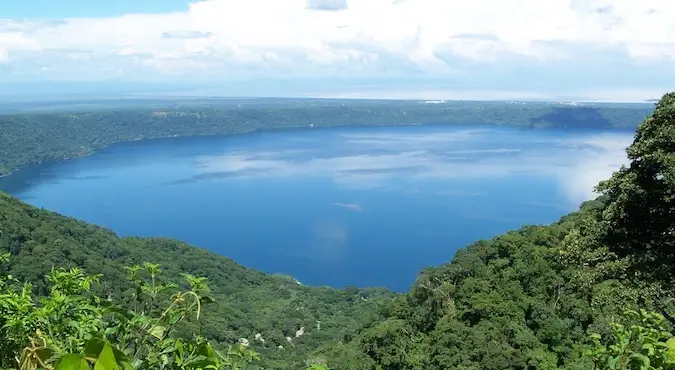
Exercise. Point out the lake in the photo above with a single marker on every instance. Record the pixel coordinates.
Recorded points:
(339, 207)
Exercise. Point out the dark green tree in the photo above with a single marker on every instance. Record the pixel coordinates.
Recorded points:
(639, 219)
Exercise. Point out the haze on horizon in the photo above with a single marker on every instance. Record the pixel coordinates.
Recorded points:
(600, 50)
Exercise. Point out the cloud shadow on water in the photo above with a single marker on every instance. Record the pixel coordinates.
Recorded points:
(224, 175)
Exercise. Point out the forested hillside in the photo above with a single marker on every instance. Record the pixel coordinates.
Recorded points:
(247, 302)
(572, 295)
(531, 298)
(31, 138)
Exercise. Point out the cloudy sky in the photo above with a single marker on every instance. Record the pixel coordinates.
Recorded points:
(584, 49)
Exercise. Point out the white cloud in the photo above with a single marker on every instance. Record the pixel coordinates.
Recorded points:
(15, 41)
(367, 36)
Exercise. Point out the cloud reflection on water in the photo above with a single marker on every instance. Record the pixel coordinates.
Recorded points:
(370, 160)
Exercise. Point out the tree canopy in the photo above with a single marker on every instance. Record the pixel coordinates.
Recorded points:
(639, 219)
(247, 302)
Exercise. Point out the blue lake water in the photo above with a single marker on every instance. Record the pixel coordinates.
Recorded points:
(339, 207)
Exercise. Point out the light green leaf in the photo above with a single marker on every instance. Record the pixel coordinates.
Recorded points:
(157, 331)
(613, 362)
(180, 350)
(649, 348)
(671, 350)
(72, 361)
(106, 359)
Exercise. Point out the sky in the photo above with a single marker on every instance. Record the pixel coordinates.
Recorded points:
(602, 50)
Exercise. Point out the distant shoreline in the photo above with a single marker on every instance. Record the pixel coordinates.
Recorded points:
(36, 138)
(93, 151)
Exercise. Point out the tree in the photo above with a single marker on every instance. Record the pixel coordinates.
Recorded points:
(639, 219)
(393, 345)
(72, 328)
(645, 344)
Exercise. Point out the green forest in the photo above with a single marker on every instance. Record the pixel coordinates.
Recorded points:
(32, 137)
(591, 291)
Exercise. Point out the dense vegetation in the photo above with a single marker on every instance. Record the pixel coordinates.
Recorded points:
(247, 302)
(530, 299)
(73, 329)
(592, 291)
(30, 138)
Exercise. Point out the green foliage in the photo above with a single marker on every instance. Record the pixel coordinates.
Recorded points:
(527, 299)
(644, 344)
(391, 344)
(638, 220)
(523, 300)
(72, 328)
(247, 302)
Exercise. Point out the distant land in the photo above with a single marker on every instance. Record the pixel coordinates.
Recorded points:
(34, 132)
(78, 103)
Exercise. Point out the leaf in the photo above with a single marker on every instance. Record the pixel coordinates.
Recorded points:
(174, 318)
(72, 361)
(649, 348)
(671, 350)
(93, 347)
(137, 363)
(126, 365)
(44, 354)
(207, 299)
(642, 359)
(111, 330)
(179, 349)
(106, 359)
(122, 359)
(157, 331)
(613, 362)
(206, 350)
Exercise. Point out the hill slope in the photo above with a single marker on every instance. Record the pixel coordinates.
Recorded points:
(531, 298)
(503, 303)
(247, 301)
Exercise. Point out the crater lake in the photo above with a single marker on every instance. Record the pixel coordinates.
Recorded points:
(340, 206)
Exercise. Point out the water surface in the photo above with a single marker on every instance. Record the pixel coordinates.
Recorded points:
(339, 207)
